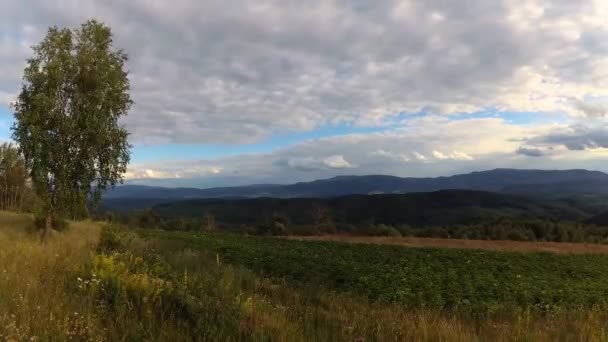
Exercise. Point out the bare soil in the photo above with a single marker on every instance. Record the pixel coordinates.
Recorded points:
(498, 245)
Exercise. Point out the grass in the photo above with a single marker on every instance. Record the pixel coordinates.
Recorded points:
(493, 245)
(34, 277)
(114, 285)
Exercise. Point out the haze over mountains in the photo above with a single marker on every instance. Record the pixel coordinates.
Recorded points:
(548, 183)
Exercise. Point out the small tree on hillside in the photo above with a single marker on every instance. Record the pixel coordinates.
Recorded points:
(75, 89)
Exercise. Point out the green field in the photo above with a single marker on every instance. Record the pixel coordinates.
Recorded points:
(446, 279)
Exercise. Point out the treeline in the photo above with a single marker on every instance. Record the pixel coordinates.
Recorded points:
(440, 208)
(500, 228)
(16, 192)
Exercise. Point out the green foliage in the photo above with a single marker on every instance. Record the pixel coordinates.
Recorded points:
(75, 89)
(442, 208)
(492, 228)
(112, 239)
(447, 214)
(448, 279)
(15, 192)
(277, 225)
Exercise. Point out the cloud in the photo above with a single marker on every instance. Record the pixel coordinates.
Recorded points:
(413, 149)
(419, 157)
(530, 152)
(337, 162)
(391, 155)
(176, 171)
(453, 156)
(591, 108)
(303, 164)
(577, 137)
(309, 163)
(240, 71)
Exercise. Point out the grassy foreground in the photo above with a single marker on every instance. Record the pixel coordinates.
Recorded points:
(107, 285)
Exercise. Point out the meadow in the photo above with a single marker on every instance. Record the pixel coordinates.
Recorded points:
(105, 283)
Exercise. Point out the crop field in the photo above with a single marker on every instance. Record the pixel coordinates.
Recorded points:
(492, 245)
(475, 281)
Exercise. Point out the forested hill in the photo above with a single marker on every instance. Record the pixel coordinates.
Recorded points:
(446, 207)
(551, 183)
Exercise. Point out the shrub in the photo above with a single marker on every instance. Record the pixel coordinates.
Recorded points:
(379, 230)
(275, 228)
(346, 228)
(384, 230)
(406, 230)
(114, 239)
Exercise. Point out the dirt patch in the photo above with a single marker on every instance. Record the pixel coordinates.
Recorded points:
(499, 245)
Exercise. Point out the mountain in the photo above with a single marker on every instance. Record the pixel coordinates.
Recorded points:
(154, 192)
(553, 183)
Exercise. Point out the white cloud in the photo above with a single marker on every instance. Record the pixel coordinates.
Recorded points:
(337, 162)
(419, 157)
(440, 155)
(391, 155)
(175, 171)
(239, 71)
(456, 155)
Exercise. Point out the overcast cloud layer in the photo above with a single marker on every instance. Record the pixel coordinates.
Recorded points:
(238, 72)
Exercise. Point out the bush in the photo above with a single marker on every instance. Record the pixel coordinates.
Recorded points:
(275, 228)
(406, 230)
(379, 230)
(346, 228)
(436, 232)
(113, 238)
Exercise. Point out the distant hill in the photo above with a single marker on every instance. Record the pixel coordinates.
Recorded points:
(551, 183)
(445, 207)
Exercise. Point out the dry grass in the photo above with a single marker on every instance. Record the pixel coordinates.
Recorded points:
(498, 245)
(34, 277)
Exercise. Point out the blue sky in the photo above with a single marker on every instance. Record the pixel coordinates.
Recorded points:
(172, 151)
(6, 120)
(292, 91)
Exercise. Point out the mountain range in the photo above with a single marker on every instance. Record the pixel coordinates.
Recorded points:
(546, 183)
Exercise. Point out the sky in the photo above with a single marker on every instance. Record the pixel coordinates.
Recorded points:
(233, 92)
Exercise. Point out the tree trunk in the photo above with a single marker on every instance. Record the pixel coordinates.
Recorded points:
(48, 228)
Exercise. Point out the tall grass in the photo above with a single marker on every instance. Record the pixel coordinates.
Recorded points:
(131, 289)
(34, 278)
